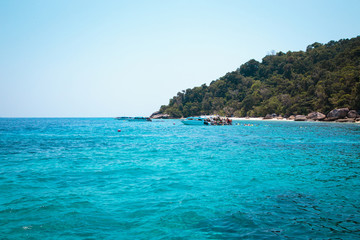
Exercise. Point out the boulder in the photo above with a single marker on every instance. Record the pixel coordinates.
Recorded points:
(268, 116)
(292, 117)
(300, 118)
(159, 115)
(353, 114)
(155, 113)
(316, 116)
(337, 113)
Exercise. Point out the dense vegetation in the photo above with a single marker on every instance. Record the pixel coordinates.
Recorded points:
(324, 77)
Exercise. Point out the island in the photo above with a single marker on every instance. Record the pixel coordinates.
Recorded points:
(321, 83)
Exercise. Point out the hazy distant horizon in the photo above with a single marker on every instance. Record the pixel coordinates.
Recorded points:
(125, 58)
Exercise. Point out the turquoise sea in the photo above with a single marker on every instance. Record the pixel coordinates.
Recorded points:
(82, 179)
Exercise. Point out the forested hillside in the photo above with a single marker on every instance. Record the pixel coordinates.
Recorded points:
(324, 77)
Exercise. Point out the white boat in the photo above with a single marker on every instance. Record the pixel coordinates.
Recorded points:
(195, 121)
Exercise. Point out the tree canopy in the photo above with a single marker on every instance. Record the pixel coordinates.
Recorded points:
(324, 77)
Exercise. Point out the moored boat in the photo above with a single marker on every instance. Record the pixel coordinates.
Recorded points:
(195, 121)
(207, 120)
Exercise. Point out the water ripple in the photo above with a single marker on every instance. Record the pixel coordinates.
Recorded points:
(81, 179)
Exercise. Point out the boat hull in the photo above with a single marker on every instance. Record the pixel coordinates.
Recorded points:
(194, 122)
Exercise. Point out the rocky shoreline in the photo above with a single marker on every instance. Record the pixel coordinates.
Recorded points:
(335, 115)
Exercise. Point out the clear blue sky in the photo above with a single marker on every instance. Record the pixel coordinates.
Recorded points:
(83, 58)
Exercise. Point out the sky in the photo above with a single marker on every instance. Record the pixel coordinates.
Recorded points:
(85, 58)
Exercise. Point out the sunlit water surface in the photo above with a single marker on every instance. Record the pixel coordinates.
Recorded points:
(82, 179)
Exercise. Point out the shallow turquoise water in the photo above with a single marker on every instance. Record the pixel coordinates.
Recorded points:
(81, 179)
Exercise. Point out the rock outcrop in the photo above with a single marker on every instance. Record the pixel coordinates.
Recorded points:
(338, 113)
(353, 114)
(159, 115)
(316, 116)
(292, 117)
(300, 118)
(268, 116)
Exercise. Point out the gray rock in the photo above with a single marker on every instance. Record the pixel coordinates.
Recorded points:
(159, 115)
(155, 113)
(292, 117)
(353, 114)
(268, 116)
(337, 113)
(316, 116)
(300, 118)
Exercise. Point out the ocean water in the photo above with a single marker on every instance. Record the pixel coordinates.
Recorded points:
(82, 179)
